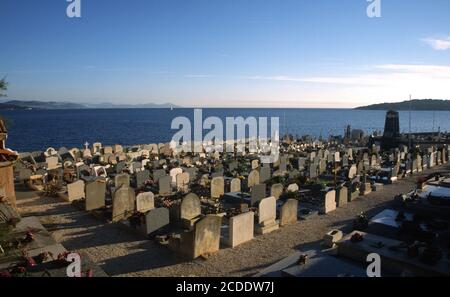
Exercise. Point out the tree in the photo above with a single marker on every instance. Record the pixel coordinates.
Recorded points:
(3, 86)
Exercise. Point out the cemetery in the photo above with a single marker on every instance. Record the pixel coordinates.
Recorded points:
(195, 205)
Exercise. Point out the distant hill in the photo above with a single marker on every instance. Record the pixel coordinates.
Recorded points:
(43, 105)
(417, 104)
(22, 104)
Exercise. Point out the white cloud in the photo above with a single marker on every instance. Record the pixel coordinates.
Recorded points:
(378, 83)
(440, 44)
(198, 75)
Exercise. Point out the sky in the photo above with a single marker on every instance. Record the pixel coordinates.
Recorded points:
(226, 53)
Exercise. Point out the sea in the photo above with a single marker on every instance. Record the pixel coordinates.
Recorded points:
(34, 130)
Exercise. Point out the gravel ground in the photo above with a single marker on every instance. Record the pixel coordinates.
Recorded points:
(120, 252)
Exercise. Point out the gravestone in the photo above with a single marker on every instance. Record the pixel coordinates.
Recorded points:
(301, 163)
(264, 173)
(142, 177)
(235, 185)
(258, 193)
(288, 213)
(136, 166)
(217, 187)
(52, 162)
(120, 166)
(192, 171)
(345, 161)
(352, 171)
(341, 196)
(241, 228)
(96, 147)
(157, 174)
(293, 174)
(107, 150)
(267, 216)
(322, 165)
(117, 148)
(329, 201)
(207, 235)
(75, 191)
(190, 207)
(174, 172)
(312, 170)
(156, 219)
(276, 190)
(253, 178)
(145, 202)
(165, 187)
(283, 164)
(95, 194)
(182, 180)
(122, 180)
(292, 188)
(123, 204)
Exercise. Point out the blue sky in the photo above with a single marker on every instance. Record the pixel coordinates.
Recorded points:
(231, 53)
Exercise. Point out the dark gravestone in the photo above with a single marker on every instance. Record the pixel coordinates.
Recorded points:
(165, 185)
(192, 172)
(258, 193)
(120, 167)
(157, 174)
(156, 221)
(264, 173)
(142, 177)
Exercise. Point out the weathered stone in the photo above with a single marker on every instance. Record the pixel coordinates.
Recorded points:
(190, 207)
(52, 162)
(264, 173)
(95, 194)
(122, 200)
(288, 213)
(182, 181)
(267, 216)
(142, 177)
(157, 174)
(156, 219)
(330, 201)
(341, 196)
(174, 172)
(292, 188)
(165, 187)
(276, 190)
(217, 187)
(75, 191)
(253, 178)
(122, 180)
(235, 185)
(241, 228)
(145, 202)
